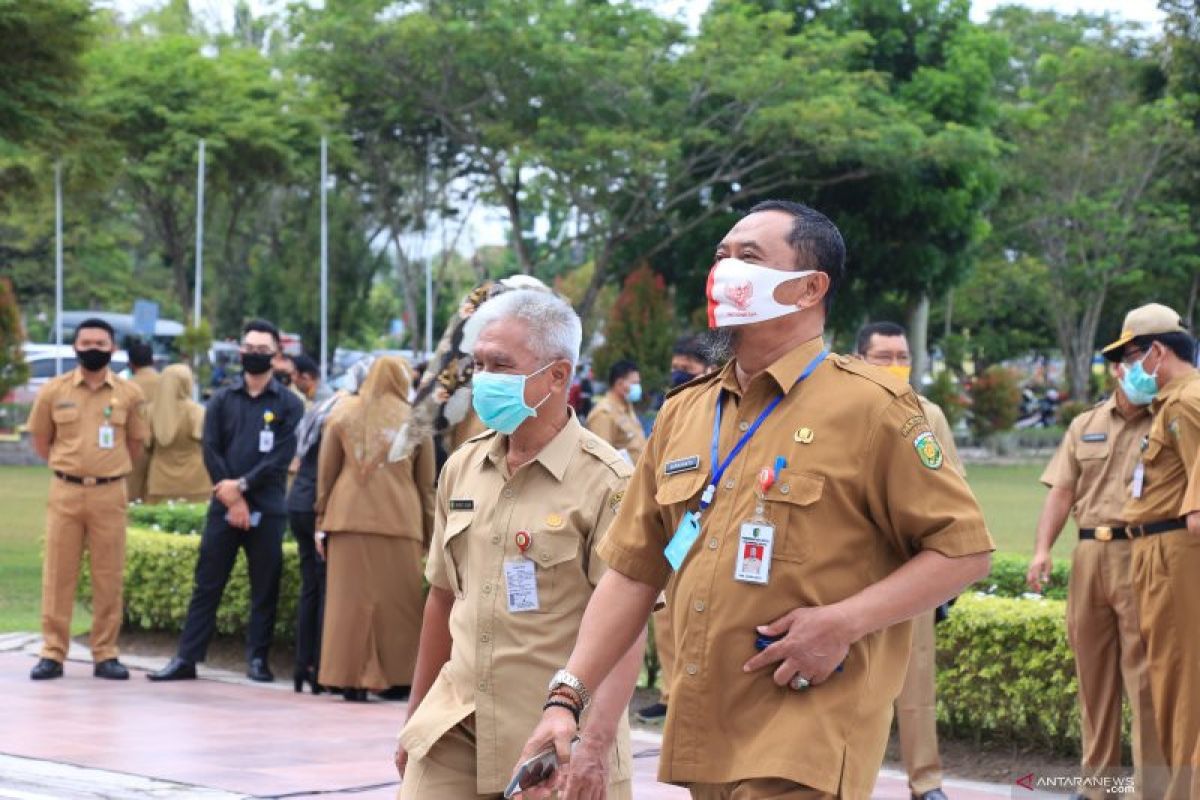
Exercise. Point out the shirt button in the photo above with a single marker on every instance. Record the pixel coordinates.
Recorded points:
(544, 556)
(508, 493)
(485, 638)
(784, 489)
(692, 669)
(589, 445)
(729, 483)
(699, 606)
(487, 588)
(496, 539)
(743, 426)
(712, 543)
(482, 686)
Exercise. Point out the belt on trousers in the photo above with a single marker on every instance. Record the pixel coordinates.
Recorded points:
(1104, 533)
(1150, 528)
(88, 481)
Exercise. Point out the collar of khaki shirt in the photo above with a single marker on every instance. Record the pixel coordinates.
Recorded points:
(1176, 385)
(555, 456)
(785, 371)
(78, 379)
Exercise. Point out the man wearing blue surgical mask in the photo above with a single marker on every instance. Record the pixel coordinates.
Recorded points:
(520, 512)
(614, 418)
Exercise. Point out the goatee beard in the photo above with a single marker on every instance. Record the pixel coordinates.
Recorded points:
(718, 344)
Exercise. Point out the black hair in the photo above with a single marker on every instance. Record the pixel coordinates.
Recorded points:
(140, 354)
(262, 326)
(95, 322)
(305, 365)
(620, 370)
(881, 328)
(1180, 343)
(815, 239)
(691, 347)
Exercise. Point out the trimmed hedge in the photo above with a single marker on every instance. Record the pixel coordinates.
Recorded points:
(169, 517)
(159, 569)
(1007, 578)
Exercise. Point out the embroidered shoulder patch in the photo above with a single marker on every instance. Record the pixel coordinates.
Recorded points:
(928, 450)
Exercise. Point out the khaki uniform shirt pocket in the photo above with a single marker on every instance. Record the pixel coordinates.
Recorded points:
(789, 507)
(454, 548)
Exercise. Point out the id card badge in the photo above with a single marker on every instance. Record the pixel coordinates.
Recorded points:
(108, 437)
(520, 583)
(756, 540)
(681, 542)
(266, 440)
(1139, 480)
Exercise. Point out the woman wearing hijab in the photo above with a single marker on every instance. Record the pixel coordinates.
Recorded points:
(302, 516)
(377, 511)
(176, 470)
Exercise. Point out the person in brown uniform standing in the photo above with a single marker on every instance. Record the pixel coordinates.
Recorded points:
(613, 417)
(884, 344)
(88, 424)
(798, 504)
(1089, 476)
(1163, 517)
(141, 364)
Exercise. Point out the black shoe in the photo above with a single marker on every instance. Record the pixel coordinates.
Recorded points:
(355, 695)
(46, 669)
(652, 713)
(259, 671)
(176, 670)
(303, 676)
(932, 794)
(395, 693)
(110, 669)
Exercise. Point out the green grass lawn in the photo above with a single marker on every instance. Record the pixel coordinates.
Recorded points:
(22, 525)
(1010, 495)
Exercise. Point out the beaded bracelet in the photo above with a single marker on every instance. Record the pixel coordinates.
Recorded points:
(563, 704)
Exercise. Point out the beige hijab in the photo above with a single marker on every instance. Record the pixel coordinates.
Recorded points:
(172, 416)
(375, 416)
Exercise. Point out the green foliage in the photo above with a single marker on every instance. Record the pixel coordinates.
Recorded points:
(13, 369)
(159, 570)
(1007, 578)
(945, 393)
(641, 327)
(169, 517)
(995, 401)
(1070, 410)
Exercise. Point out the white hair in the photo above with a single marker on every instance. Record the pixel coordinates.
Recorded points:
(554, 328)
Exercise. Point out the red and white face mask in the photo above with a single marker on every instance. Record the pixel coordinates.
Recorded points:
(743, 294)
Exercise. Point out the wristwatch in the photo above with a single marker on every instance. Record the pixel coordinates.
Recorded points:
(564, 678)
(242, 485)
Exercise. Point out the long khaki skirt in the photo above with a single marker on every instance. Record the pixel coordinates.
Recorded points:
(373, 610)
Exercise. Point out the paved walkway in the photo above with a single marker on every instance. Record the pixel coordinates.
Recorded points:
(223, 737)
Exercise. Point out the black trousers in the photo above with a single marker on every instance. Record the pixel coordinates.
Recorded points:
(218, 552)
(310, 611)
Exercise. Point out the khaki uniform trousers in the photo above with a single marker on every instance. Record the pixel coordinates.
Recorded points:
(916, 710)
(79, 516)
(664, 643)
(1166, 576)
(756, 789)
(1102, 627)
(448, 771)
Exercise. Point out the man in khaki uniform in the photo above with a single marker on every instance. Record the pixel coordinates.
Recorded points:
(141, 363)
(613, 417)
(1163, 516)
(838, 487)
(885, 344)
(519, 513)
(88, 424)
(1090, 476)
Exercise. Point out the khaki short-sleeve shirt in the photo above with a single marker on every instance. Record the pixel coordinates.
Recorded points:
(863, 490)
(1096, 460)
(71, 414)
(1171, 456)
(501, 661)
(617, 424)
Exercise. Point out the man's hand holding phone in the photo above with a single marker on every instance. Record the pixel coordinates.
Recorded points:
(545, 762)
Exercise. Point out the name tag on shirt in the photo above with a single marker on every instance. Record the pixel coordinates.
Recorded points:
(462, 505)
(520, 581)
(108, 437)
(681, 543)
(1095, 437)
(1139, 480)
(755, 543)
(681, 465)
(266, 440)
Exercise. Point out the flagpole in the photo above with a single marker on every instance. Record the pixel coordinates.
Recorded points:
(58, 267)
(199, 288)
(324, 260)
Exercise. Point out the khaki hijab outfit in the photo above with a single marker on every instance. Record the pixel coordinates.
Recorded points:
(176, 470)
(378, 514)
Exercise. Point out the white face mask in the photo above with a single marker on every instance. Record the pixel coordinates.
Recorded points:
(743, 294)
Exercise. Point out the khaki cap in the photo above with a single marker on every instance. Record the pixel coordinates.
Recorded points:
(1144, 320)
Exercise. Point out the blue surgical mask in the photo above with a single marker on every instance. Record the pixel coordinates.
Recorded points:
(635, 393)
(1140, 387)
(499, 399)
(679, 377)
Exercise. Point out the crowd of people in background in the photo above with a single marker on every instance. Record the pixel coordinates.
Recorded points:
(540, 464)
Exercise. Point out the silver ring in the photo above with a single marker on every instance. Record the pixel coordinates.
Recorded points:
(799, 683)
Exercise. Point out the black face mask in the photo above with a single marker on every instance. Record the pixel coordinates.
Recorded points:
(283, 377)
(680, 377)
(256, 363)
(93, 360)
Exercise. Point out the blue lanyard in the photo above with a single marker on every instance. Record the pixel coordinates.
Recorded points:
(707, 498)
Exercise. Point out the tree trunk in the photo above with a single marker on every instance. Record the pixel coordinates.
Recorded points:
(599, 274)
(1077, 339)
(1189, 315)
(918, 337)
